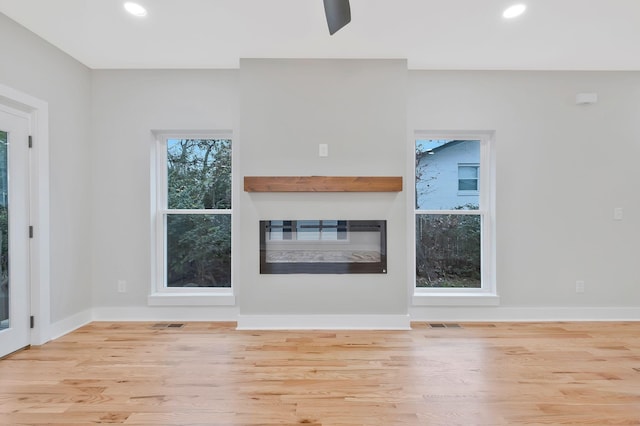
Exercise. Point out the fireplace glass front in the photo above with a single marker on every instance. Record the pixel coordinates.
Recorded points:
(323, 246)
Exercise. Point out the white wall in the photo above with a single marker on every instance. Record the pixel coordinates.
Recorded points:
(289, 107)
(562, 168)
(127, 106)
(36, 68)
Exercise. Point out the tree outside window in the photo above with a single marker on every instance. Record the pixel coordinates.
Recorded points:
(448, 216)
(197, 220)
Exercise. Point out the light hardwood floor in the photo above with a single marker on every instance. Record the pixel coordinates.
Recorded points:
(210, 374)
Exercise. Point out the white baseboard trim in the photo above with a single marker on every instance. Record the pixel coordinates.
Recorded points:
(342, 322)
(523, 314)
(165, 313)
(191, 299)
(69, 324)
(324, 322)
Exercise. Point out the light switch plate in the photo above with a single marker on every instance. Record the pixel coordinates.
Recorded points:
(618, 213)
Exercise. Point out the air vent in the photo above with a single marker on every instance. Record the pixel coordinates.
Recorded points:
(446, 325)
(160, 325)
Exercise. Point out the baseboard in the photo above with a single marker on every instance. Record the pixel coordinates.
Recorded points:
(323, 322)
(69, 324)
(165, 313)
(343, 322)
(523, 314)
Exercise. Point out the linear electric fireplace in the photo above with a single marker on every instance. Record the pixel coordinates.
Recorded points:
(323, 246)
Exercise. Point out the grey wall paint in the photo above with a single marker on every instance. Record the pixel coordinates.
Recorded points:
(287, 108)
(127, 106)
(35, 67)
(561, 170)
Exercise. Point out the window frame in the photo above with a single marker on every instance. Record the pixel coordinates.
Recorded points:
(442, 296)
(160, 293)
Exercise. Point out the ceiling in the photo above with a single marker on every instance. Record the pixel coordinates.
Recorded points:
(430, 34)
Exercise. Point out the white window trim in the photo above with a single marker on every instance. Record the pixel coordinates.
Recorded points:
(182, 296)
(487, 295)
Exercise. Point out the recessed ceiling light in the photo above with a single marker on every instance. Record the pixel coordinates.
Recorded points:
(135, 9)
(513, 11)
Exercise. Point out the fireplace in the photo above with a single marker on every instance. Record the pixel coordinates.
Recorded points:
(323, 246)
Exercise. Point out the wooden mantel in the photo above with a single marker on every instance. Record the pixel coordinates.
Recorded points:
(323, 183)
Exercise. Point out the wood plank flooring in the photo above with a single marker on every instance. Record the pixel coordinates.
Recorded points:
(211, 374)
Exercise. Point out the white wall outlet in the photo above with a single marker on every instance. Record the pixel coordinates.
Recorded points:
(579, 286)
(122, 286)
(618, 213)
(323, 150)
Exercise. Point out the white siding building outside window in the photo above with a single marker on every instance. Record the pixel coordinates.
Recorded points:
(453, 200)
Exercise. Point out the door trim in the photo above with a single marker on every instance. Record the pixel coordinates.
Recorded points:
(40, 264)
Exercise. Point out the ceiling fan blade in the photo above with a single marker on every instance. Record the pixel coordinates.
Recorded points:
(338, 14)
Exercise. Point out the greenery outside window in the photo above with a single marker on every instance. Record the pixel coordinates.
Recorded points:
(193, 214)
(453, 215)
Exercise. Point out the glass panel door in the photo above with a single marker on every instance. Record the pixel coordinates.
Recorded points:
(4, 233)
(14, 231)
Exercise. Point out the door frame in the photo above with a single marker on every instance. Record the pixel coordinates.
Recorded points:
(39, 264)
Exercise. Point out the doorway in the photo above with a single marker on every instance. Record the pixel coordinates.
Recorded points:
(15, 197)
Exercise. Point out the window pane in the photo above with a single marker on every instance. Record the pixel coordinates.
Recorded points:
(438, 174)
(468, 172)
(198, 250)
(448, 250)
(199, 173)
(468, 184)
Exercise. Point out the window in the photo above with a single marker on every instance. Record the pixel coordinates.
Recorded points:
(453, 215)
(468, 176)
(193, 214)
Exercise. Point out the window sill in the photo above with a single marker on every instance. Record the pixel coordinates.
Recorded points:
(455, 299)
(191, 299)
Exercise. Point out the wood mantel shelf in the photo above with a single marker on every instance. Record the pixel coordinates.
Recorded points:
(323, 183)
